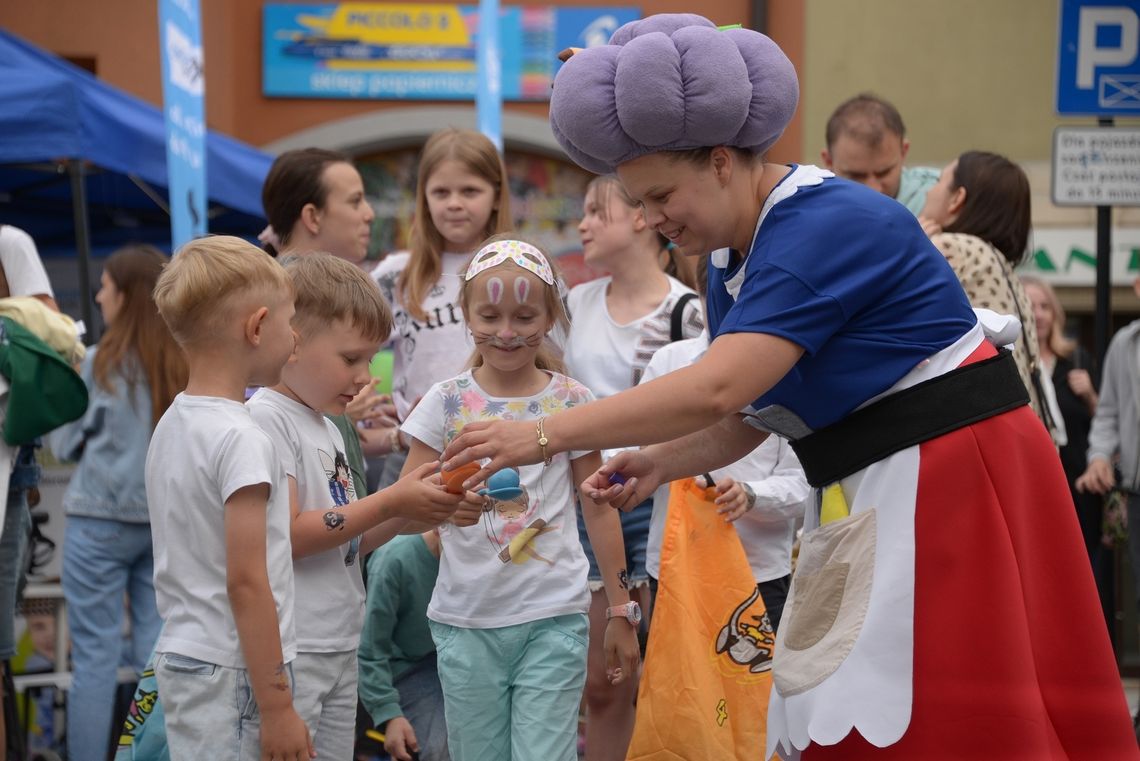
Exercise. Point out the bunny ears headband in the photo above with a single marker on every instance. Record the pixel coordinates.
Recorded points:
(671, 82)
(523, 254)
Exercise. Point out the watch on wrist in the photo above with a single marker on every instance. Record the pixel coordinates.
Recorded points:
(749, 495)
(631, 612)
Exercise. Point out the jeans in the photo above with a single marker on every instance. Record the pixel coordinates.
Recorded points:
(421, 699)
(513, 692)
(103, 560)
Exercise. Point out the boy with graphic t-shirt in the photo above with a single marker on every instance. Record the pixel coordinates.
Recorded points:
(340, 322)
(219, 513)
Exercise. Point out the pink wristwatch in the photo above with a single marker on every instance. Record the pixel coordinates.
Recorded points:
(631, 612)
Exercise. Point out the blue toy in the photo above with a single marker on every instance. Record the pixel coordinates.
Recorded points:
(503, 485)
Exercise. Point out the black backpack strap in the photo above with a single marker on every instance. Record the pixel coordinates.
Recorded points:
(677, 319)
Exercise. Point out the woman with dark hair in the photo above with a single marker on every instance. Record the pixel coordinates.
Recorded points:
(314, 201)
(978, 214)
(985, 195)
(132, 376)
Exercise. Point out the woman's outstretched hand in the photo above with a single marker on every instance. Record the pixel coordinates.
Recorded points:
(641, 478)
(505, 443)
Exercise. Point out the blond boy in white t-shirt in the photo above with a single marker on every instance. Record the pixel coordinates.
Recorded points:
(223, 573)
(341, 321)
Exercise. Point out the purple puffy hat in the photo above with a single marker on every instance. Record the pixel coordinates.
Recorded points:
(671, 82)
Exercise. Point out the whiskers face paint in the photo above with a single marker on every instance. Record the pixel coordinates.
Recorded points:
(488, 339)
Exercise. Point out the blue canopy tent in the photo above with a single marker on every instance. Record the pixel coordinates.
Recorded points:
(83, 165)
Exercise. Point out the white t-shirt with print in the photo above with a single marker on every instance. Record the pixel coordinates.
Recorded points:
(424, 352)
(22, 264)
(330, 587)
(772, 470)
(608, 357)
(203, 450)
(486, 580)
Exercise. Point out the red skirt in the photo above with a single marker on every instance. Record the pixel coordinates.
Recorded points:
(1011, 656)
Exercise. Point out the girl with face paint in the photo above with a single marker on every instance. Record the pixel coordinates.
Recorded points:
(510, 602)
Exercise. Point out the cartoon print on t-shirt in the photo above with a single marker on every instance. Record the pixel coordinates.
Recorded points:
(512, 527)
(342, 491)
(339, 476)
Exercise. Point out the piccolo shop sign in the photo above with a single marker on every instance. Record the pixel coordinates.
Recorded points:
(396, 51)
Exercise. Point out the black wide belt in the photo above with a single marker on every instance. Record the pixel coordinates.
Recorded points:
(920, 413)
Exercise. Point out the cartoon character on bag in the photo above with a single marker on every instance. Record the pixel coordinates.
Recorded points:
(748, 644)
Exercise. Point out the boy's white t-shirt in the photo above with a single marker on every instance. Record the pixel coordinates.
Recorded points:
(424, 352)
(203, 450)
(22, 264)
(772, 470)
(545, 576)
(330, 586)
(608, 357)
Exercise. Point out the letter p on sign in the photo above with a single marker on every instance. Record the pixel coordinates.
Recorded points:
(1090, 55)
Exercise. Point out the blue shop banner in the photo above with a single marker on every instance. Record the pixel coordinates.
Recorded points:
(183, 88)
(420, 51)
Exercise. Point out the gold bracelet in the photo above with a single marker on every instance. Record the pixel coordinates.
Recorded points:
(542, 441)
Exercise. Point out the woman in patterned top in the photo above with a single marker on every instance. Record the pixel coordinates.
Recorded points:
(978, 214)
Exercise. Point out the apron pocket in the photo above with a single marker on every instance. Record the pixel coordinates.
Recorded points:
(827, 604)
(820, 595)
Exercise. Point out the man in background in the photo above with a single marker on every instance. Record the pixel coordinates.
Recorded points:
(866, 143)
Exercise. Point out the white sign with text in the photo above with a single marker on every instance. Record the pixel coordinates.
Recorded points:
(1096, 166)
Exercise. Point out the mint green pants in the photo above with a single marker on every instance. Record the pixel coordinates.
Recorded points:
(513, 692)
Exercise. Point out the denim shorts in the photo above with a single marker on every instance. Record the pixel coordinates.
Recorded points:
(325, 698)
(210, 710)
(635, 534)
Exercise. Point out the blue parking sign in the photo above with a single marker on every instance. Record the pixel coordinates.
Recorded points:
(1098, 63)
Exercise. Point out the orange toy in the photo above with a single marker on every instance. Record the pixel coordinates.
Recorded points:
(453, 480)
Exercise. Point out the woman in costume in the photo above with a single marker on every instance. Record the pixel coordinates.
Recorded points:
(942, 606)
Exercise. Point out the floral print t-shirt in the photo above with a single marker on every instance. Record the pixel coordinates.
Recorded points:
(523, 560)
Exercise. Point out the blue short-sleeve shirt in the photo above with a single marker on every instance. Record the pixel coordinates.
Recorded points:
(848, 275)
